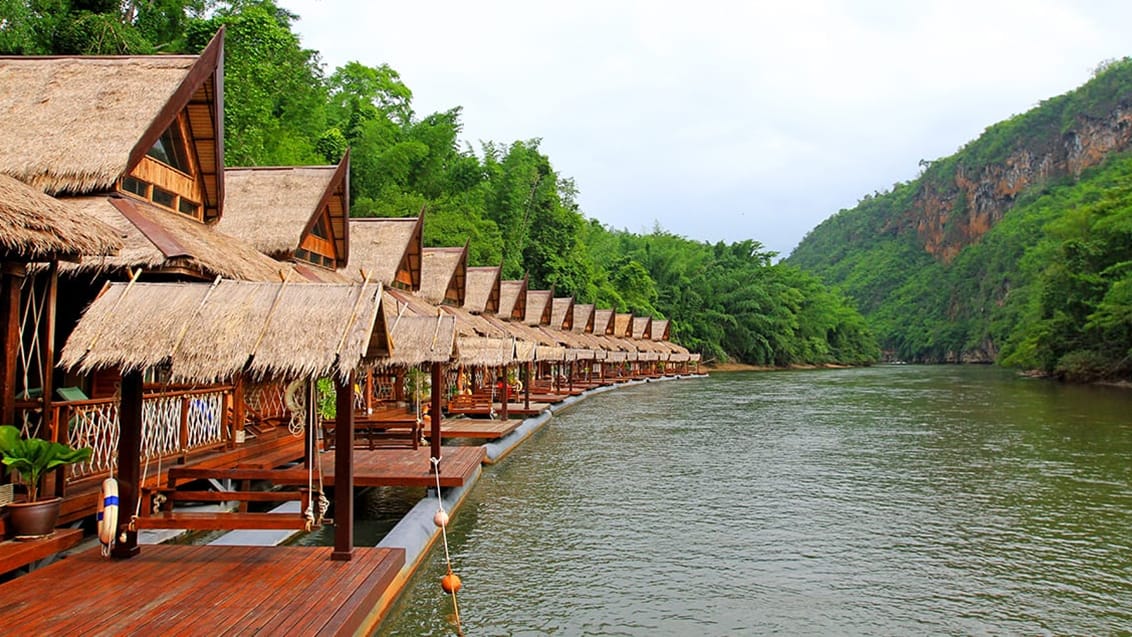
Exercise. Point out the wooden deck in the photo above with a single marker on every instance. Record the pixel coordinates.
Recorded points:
(203, 590)
(478, 428)
(409, 467)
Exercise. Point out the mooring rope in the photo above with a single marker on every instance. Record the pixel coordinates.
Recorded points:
(450, 581)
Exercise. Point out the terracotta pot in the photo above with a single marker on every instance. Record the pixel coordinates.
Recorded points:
(31, 520)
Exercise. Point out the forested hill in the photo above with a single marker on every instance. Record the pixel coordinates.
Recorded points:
(729, 301)
(1016, 249)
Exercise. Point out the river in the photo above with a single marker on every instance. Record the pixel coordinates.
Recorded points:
(891, 500)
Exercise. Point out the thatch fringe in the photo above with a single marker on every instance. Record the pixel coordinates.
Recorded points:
(208, 333)
(420, 339)
(35, 226)
(478, 351)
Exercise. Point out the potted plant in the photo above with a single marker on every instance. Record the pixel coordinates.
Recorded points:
(31, 459)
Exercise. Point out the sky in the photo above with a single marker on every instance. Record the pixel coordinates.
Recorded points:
(724, 119)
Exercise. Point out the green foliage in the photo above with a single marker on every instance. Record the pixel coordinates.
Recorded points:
(274, 97)
(33, 457)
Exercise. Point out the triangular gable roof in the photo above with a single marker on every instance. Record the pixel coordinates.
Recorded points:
(539, 307)
(603, 322)
(444, 275)
(156, 240)
(562, 313)
(38, 227)
(482, 290)
(388, 248)
(76, 125)
(623, 325)
(584, 317)
(642, 326)
(214, 332)
(659, 330)
(513, 300)
(276, 208)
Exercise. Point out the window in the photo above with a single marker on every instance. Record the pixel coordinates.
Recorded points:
(136, 186)
(170, 149)
(163, 197)
(190, 208)
(319, 229)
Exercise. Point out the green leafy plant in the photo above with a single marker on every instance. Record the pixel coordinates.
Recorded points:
(31, 458)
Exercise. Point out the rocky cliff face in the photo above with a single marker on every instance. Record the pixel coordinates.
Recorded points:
(948, 219)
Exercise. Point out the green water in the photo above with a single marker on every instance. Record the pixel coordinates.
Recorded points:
(895, 500)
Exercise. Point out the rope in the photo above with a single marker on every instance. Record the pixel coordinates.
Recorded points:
(444, 535)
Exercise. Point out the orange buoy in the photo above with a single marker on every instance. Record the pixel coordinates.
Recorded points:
(450, 582)
(440, 519)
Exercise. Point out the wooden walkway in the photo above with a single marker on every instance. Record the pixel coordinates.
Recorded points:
(203, 590)
(409, 467)
(478, 428)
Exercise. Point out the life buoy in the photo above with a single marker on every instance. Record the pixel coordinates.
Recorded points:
(107, 517)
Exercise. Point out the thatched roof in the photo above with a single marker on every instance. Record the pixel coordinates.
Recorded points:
(539, 307)
(420, 339)
(479, 351)
(623, 325)
(389, 248)
(642, 326)
(481, 294)
(550, 353)
(155, 239)
(583, 317)
(603, 322)
(207, 333)
(276, 208)
(75, 125)
(468, 324)
(443, 275)
(562, 313)
(38, 227)
(660, 330)
(525, 351)
(513, 299)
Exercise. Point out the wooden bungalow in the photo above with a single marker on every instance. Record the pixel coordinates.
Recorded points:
(294, 214)
(387, 249)
(513, 300)
(482, 293)
(444, 275)
(136, 143)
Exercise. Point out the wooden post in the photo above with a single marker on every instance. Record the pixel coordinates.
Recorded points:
(434, 435)
(129, 459)
(527, 385)
(12, 277)
(506, 392)
(239, 412)
(344, 470)
(570, 377)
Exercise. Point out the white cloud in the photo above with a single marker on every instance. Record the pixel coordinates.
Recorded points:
(715, 117)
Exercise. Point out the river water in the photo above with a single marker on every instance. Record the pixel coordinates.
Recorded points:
(891, 500)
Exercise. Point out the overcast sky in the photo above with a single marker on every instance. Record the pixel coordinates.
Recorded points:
(726, 119)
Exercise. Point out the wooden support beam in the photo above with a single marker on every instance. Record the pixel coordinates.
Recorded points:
(129, 458)
(344, 470)
(506, 392)
(10, 282)
(437, 391)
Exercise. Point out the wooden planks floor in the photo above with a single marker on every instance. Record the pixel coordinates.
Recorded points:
(408, 467)
(478, 428)
(201, 590)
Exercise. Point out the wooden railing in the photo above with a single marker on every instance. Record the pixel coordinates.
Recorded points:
(174, 424)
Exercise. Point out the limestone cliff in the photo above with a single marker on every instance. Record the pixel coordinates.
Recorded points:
(948, 217)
